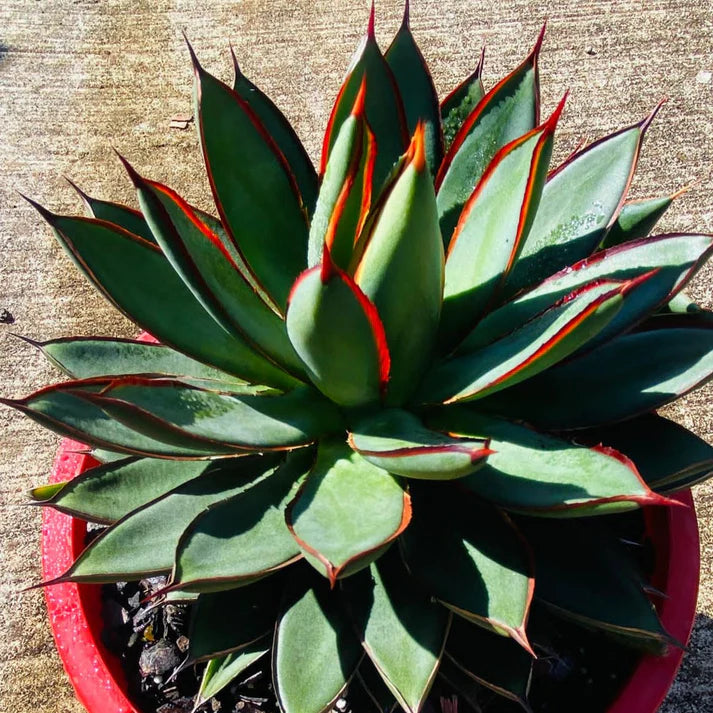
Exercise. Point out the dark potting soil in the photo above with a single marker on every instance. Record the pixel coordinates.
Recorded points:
(576, 669)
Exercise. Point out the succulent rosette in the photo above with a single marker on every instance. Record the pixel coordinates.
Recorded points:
(377, 421)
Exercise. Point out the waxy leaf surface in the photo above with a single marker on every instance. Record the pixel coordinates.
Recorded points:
(315, 651)
(494, 222)
(224, 622)
(403, 632)
(527, 351)
(168, 409)
(636, 220)
(65, 409)
(198, 256)
(120, 553)
(632, 375)
(347, 512)
(282, 133)
(121, 215)
(250, 529)
(458, 105)
(585, 574)
(255, 193)
(223, 670)
(136, 278)
(544, 475)
(397, 441)
(111, 491)
(84, 358)
(339, 336)
(345, 192)
(384, 108)
(668, 456)
(417, 91)
(478, 566)
(676, 257)
(506, 112)
(401, 270)
(578, 205)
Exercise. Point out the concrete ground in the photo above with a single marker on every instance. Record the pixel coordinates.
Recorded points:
(80, 76)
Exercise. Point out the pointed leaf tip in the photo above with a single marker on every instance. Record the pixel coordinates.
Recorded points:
(406, 22)
(133, 173)
(416, 153)
(236, 66)
(370, 30)
(644, 125)
(538, 43)
(197, 68)
(551, 123)
(48, 215)
(84, 196)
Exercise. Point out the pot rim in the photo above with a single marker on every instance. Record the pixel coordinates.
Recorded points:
(99, 681)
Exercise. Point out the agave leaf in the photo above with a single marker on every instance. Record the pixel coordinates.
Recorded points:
(315, 652)
(676, 257)
(578, 206)
(85, 358)
(668, 455)
(682, 303)
(109, 492)
(544, 475)
(629, 376)
(458, 105)
(384, 107)
(123, 216)
(261, 210)
(584, 574)
(636, 220)
(493, 661)
(347, 512)
(477, 566)
(225, 622)
(402, 252)
(120, 552)
(64, 409)
(339, 336)
(403, 632)
(345, 193)
(529, 350)
(415, 85)
(135, 277)
(180, 597)
(282, 133)
(172, 411)
(223, 670)
(494, 222)
(207, 268)
(507, 111)
(397, 441)
(250, 528)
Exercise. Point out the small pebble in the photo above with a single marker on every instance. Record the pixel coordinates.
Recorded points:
(159, 659)
(182, 643)
(703, 77)
(590, 51)
(6, 317)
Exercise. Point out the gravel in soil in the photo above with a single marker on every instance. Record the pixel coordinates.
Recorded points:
(576, 668)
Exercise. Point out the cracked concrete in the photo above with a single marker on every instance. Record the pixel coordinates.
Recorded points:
(80, 76)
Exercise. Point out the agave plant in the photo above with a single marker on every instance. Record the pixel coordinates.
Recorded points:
(376, 422)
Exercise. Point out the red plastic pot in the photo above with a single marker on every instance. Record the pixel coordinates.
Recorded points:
(75, 609)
